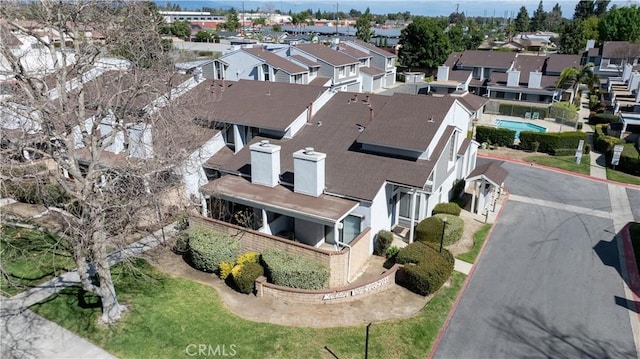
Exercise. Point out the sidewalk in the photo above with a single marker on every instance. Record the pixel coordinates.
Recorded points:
(28, 335)
(597, 160)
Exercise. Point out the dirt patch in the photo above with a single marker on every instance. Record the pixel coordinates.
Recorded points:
(510, 153)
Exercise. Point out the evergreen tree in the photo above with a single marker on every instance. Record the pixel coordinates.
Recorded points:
(601, 7)
(554, 19)
(620, 24)
(522, 22)
(424, 43)
(572, 38)
(538, 22)
(584, 9)
(363, 26)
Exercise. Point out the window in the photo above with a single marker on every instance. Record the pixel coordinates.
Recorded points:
(352, 70)
(341, 72)
(297, 79)
(265, 71)
(350, 229)
(405, 205)
(452, 148)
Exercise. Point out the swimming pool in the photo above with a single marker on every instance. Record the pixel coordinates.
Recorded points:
(519, 127)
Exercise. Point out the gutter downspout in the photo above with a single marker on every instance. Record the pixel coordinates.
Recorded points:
(412, 215)
(337, 240)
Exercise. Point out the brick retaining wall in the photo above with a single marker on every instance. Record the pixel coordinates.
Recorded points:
(254, 241)
(349, 293)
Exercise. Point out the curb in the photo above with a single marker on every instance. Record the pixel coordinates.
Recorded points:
(436, 343)
(558, 170)
(632, 267)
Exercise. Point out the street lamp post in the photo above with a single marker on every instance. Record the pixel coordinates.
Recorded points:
(444, 225)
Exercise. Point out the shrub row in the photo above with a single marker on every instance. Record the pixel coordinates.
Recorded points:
(383, 242)
(292, 271)
(425, 269)
(598, 118)
(35, 192)
(520, 111)
(496, 136)
(430, 229)
(629, 160)
(447, 208)
(602, 142)
(208, 249)
(550, 142)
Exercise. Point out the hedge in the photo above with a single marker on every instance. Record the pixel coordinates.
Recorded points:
(602, 142)
(430, 229)
(249, 257)
(208, 249)
(629, 160)
(447, 208)
(520, 111)
(550, 142)
(35, 192)
(245, 275)
(496, 136)
(293, 271)
(425, 268)
(607, 118)
(383, 242)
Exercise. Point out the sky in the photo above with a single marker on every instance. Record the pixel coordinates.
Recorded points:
(417, 7)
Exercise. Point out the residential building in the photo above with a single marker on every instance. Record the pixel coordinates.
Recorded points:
(610, 58)
(504, 76)
(260, 64)
(324, 167)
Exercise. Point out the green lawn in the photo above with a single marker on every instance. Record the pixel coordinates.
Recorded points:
(478, 240)
(567, 163)
(634, 230)
(169, 313)
(30, 258)
(622, 177)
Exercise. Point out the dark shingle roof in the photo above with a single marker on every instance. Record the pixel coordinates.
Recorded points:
(459, 75)
(372, 48)
(493, 59)
(305, 61)
(452, 59)
(557, 62)
(370, 70)
(409, 122)
(528, 63)
(327, 54)
(620, 49)
(270, 105)
(357, 54)
(8, 39)
(472, 102)
(349, 172)
(275, 60)
(491, 171)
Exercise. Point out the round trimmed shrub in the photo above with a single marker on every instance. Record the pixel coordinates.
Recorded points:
(430, 229)
(245, 275)
(425, 268)
(208, 249)
(383, 242)
(447, 208)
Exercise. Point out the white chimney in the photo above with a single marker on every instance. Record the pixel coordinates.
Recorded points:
(265, 163)
(308, 169)
(513, 78)
(590, 45)
(443, 73)
(197, 74)
(140, 141)
(535, 80)
(634, 82)
(626, 72)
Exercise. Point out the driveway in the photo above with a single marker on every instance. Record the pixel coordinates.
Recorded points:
(548, 283)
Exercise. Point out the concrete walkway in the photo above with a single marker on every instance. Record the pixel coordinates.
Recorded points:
(597, 160)
(28, 335)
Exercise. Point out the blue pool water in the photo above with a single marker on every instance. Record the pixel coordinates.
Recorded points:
(519, 127)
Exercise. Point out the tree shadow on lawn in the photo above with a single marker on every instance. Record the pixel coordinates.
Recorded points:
(535, 336)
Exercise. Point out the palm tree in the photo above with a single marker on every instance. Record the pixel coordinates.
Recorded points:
(577, 76)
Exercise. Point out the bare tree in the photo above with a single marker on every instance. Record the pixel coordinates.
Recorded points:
(109, 126)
